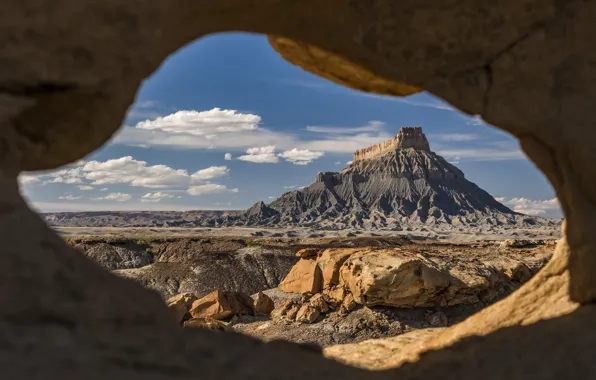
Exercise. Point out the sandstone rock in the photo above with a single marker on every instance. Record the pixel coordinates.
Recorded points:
(263, 304)
(180, 305)
(292, 312)
(318, 302)
(222, 305)
(334, 296)
(307, 313)
(305, 278)
(208, 323)
(348, 304)
(330, 263)
(280, 311)
(393, 278)
(308, 252)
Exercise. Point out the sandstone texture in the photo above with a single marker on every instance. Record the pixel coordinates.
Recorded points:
(413, 276)
(180, 305)
(70, 70)
(263, 304)
(222, 305)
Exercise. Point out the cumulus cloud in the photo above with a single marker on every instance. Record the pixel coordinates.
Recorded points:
(209, 188)
(155, 197)
(119, 197)
(209, 173)
(138, 173)
(231, 129)
(228, 156)
(349, 162)
(203, 123)
(103, 189)
(531, 206)
(68, 176)
(265, 154)
(85, 187)
(28, 179)
(69, 197)
(300, 156)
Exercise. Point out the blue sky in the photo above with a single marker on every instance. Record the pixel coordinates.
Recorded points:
(226, 122)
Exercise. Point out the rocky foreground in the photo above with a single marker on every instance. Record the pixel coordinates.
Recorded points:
(321, 291)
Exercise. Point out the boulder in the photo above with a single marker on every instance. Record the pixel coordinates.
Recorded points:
(180, 305)
(222, 305)
(263, 304)
(334, 296)
(208, 323)
(281, 311)
(516, 243)
(292, 312)
(348, 304)
(318, 302)
(307, 314)
(392, 277)
(304, 278)
(308, 252)
(330, 263)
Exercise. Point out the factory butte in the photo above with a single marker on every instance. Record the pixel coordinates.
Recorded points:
(396, 184)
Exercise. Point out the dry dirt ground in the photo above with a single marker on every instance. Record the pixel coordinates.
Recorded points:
(435, 233)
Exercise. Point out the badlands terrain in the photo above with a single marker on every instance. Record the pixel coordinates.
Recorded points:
(395, 246)
(322, 291)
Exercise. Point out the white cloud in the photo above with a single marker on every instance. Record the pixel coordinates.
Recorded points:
(271, 197)
(155, 197)
(209, 173)
(337, 163)
(103, 189)
(372, 126)
(203, 123)
(209, 188)
(230, 129)
(68, 176)
(531, 206)
(28, 179)
(228, 156)
(137, 173)
(260, 155)
(349, 162)
(300, 156)
(85, 187)
(289, 187)
(68, 197)
(119, 197)
(495, 151)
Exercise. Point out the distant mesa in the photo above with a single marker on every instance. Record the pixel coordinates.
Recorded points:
(399, 184)
(408, 137)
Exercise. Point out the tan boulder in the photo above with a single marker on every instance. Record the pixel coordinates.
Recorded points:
(393, 277)
(292, 312)
(307, 314)
(330, 262)
(348, 304)
(304, 278)
(318, 302)
(281, 311)
(308, 252)
(208, 323)
(263, 304)
(180, 305)
(222, 305)
(334, 296)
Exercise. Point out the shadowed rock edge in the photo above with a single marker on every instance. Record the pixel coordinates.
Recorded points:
(68, 77)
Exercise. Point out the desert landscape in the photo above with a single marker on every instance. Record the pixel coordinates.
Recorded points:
(396, 245)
